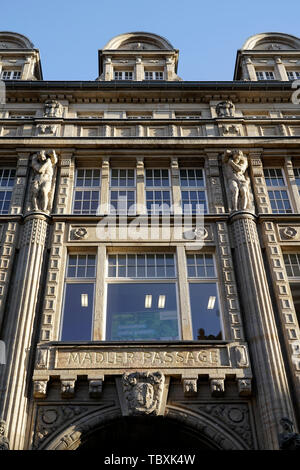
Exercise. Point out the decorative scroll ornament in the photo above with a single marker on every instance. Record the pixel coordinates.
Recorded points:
(4, 442)
(236, 165)
(143, 392)
(288, 439)
(43, 163)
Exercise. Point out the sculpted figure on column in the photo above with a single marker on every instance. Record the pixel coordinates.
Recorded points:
(288, 439)
(236, 165)
(225, 109)
(43, 163)
(4, 444)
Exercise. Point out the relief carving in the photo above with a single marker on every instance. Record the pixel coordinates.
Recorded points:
(4, 443)
(244, 387)
(143, 392)
(225, 109)
(190, 387)
(79, 233)
(288, 233)
(47, 129)
(95, 388)
(67, 388)
(217, 387)
(288, 439)
(42, 358)
(43, 163)
(230, 130)
(236, 165)
(53, 109)
(40, 388)
(51, 418)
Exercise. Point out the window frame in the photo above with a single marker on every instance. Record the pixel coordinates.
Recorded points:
(189, 188)
(7, 189)
(154, 75)
(278, 188)
(78, 280)
(87, 188)
(142, 280)
(123, 75)
(207, 280)
(265, 74)
(12, 74)
(159, 188)
(123, 188)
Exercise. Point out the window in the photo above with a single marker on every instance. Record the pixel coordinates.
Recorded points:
(279, 198)
(158, 191)
(293, 75)
(193, 194)
(154, 75)
(7, 179)
(265, 76)
(187, 116)
(292, 265)
(87, 191)
(297, 178)
(123, 75)
(122, 191)
(204, 299)
(78, 304)
(11, 75)
(139, 307)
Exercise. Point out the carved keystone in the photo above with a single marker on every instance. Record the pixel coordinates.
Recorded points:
(217, 387)
(143, 392)
(68, 388)
(190, 387)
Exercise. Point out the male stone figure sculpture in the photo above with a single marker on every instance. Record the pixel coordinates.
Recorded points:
(4, 444)
(42, 164)
(225, 109)
(288, 439)
(53, 109)
(236, 165)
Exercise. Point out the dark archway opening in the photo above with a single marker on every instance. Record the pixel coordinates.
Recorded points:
(140, 435)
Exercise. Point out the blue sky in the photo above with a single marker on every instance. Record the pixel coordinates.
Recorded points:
(69, 33)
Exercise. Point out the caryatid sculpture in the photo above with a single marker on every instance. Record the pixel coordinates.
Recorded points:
(288, 439)
(236, 165)
(43, 163)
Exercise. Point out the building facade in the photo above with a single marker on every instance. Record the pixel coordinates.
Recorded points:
(150, 250)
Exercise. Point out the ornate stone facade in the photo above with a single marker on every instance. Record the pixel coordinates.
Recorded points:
(220, 364)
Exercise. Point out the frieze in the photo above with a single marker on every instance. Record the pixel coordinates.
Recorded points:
(114, 359)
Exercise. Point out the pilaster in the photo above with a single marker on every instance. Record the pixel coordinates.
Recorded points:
(213, 183)
(140, 186)
(280, 70)
(291, 182)
(104, 204)
(175, 182)
(259, 183)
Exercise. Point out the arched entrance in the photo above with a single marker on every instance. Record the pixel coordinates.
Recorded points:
(178, 429)
(144, 434)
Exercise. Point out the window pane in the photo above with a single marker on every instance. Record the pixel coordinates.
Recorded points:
(142, 312)
(205, 311)
(77, 318)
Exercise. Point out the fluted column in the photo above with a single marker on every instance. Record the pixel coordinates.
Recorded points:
(273, 397)
(19, 328)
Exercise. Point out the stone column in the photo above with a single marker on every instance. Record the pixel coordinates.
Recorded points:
(176, 190)
(140, 187)
(104, 203)
(273, 398)
(19, 328)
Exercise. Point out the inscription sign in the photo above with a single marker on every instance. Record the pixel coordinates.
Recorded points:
(90, 359)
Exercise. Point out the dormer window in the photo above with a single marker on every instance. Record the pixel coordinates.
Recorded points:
(11, 74)
(154, 75)
(265, 75)
(293, 75)
(123, 75)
